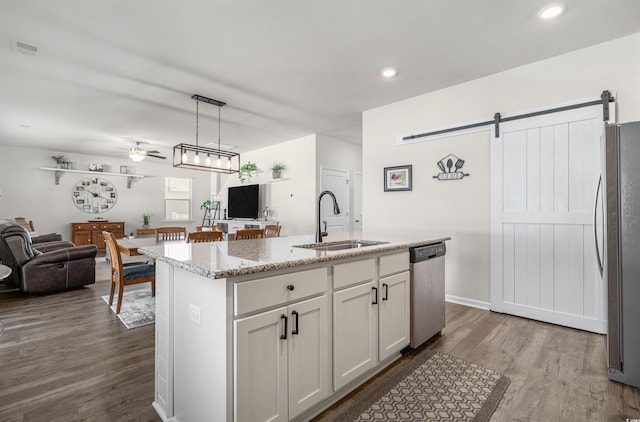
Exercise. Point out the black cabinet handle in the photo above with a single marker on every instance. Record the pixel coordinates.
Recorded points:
(284, 336)
(290, 287)
(385, 286)
(375, 296)
(294, 330)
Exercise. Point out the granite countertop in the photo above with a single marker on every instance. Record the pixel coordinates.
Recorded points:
(241, 257)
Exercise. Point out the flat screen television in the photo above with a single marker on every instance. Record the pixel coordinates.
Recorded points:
(244, 202)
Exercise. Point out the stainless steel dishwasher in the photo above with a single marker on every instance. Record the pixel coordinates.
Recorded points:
(427, 292)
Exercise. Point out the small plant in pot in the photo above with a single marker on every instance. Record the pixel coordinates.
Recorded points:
(276, 170)
(146, 219)
(247, 170)
(60, 160)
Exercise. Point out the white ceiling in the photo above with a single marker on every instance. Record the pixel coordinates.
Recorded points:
(108, 72)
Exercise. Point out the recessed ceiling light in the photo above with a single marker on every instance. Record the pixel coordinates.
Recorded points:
(389, 72)
(551, 11)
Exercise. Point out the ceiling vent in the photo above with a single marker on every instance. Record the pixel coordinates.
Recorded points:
(25, 48)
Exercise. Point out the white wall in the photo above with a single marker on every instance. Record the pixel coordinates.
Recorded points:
(31, 193)
(462, 208)
(291, 198)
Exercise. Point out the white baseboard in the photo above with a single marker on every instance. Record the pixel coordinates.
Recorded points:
(468, 302)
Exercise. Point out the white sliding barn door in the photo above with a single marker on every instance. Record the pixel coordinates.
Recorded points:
(544, 175)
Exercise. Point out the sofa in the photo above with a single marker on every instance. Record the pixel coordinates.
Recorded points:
(45, 266)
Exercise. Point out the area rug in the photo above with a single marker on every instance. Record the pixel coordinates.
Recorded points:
(432, 387)
(138, 308)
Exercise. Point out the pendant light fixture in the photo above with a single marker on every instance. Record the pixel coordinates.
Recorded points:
(182, 152)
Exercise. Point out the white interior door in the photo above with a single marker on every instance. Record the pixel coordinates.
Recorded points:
(544, 176)
(336, 181)
(357, 201)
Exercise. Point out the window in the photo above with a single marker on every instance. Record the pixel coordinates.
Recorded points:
(177, 198)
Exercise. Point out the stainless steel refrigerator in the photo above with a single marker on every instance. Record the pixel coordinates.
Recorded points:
(621, 254)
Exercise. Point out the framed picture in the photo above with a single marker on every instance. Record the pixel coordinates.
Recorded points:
(123, 169)
(397, 178)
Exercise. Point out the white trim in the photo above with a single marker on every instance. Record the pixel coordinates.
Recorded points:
(468, 302)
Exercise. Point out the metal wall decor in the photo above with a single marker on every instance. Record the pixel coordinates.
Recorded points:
(451, 168)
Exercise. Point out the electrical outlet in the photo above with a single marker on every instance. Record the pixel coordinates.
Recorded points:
(195, 314)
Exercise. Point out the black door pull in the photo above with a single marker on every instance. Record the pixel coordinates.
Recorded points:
(295, 328)
(385, 286)
(284, 336)
(375, 296)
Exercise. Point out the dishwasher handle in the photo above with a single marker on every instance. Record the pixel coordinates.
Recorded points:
(426, 252)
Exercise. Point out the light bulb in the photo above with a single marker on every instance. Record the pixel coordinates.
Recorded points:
(208, 160)
(218, 163)
(185, 157)
(229, 163)
(196, 159)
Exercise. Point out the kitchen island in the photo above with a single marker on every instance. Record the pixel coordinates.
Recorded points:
(271, 329)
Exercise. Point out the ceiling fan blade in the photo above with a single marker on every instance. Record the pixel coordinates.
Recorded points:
(153, 152)
(156, 156)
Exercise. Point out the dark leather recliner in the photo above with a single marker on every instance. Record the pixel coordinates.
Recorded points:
(47, 266)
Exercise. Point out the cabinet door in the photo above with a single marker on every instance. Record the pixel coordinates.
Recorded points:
(98, 240)
(309, 348)
(260, 367)
(393, 314)
(355, 329)
(81, 237)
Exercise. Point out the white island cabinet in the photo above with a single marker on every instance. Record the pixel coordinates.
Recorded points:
(265, 330)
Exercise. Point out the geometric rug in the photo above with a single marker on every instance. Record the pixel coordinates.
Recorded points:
(138, 307)
(433, 387)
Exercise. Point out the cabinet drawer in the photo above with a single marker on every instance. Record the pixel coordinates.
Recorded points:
(353, 272)
(271, 291)
(391, 264)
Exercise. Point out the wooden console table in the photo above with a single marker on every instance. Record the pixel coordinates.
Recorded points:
(142, 232)
(90, 233)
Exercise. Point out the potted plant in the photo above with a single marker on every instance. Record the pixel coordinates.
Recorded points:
(146, 219)
(206, 204)
(276, 170)
(60, 160)
(247, 170)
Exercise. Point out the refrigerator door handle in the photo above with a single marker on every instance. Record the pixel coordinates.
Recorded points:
(595, 227)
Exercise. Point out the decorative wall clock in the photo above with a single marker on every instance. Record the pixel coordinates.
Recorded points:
(94, 195)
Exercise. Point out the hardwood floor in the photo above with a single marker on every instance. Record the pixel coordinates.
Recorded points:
(66, 357)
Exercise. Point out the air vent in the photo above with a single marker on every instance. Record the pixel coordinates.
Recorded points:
(25, 48)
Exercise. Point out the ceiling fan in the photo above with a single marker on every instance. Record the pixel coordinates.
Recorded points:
(138, 154)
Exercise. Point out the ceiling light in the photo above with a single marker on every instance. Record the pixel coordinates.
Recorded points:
(551, 11)
(136, 157)
(389, 72)
(180, 151)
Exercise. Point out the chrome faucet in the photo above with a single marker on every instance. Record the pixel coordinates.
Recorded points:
(336, 210)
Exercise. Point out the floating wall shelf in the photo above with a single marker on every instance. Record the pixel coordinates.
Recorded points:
(58, 173)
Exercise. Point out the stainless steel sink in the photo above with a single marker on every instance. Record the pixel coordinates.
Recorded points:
(337, 246)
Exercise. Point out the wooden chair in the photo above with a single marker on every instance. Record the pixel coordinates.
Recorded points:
(26, 224)
(125, 276)
(249, 234)
(171, 233)
(272, 230)
(201, 237)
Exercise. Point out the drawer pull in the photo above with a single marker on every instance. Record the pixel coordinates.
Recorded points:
(385, 286)
(375, 295)
(284, 336)
(290, 287)
(294, 329)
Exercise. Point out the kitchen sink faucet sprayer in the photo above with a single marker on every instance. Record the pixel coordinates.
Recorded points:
(336, 210)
